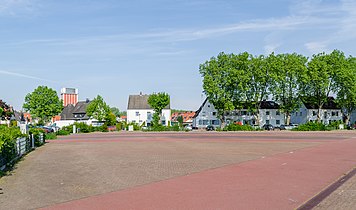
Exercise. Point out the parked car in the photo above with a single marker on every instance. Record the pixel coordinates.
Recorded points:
(288, 127)
(210, 128)
(188, 127)
(268, 127)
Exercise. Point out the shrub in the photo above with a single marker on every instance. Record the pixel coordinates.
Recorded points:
(36, 134)
(62, 133)
(8, 138)
(238, 127)
(334, 125)
(311, 126)
(119, 126)
(104, 128)
(50, 136)
(136, 127)
(83, 127)
(68, 128)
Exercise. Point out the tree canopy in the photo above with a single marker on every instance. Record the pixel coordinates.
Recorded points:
(115, 111)
(287, 72)
(43, 103)
(158, 101)
(231, 81)
(5, 110)
(98, 109)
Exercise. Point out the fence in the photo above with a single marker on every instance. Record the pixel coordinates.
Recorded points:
(23, 146)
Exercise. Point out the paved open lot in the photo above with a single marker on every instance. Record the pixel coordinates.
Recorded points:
(179, 170)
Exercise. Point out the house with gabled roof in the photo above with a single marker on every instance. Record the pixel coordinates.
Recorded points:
(308, 112)
(140, 112)
(269, 114)
(206, 115)
(76, 113)
(186, 116)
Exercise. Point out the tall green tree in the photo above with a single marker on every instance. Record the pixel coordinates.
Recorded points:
(287, 72)
(6, 110)
(43, 103)
(224, 81)
(258, 84)
(158, 101)
(346, 83)
(115, 111)
(180, 121)
(98, 109)
(320, 82)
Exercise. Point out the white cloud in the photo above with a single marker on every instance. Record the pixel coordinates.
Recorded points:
(341, 21)
(17, 7)
(25, 76)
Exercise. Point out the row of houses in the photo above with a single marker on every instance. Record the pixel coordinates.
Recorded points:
(140, 112)
(269, 113)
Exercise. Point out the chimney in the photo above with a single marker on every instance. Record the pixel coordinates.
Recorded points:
(140, 93)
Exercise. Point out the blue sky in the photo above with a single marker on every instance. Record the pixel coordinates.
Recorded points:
(116, 48)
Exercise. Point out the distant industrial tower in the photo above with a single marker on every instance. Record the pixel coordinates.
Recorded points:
(69, 96)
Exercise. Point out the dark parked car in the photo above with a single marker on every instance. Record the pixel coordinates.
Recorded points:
(210, 128)
(268, 127)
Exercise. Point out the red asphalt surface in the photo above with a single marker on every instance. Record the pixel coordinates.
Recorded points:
(282, 181)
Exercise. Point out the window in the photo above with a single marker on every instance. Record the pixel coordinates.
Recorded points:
(314, 113)
(200, 122)
(301, 114)
(149, 116)
(215, 122)
(208, 105)
(244, 112)
(278, 122)
(137, 114)
(337, 113)
(267, 112)
(326, 114)
(278, 113)
(214, 113)
(267, 121)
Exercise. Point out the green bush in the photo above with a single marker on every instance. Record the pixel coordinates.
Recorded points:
(334, 125)
(68, 128)
(50, 136)
(36, 134)
(136, 127)
(62, 133)
(119, 126)
(104, 128)
(237, 127)
(8, 138)
(311, 126)
(83, 127)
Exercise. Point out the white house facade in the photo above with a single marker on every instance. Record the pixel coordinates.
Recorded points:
(269, 114)
(76, 113)
(206, 115)
(140, 112)
(308, 112)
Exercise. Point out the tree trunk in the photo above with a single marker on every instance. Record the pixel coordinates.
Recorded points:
(348, 118)
(319, 115)
(257, 116)
(223, 123)
(287, 121)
